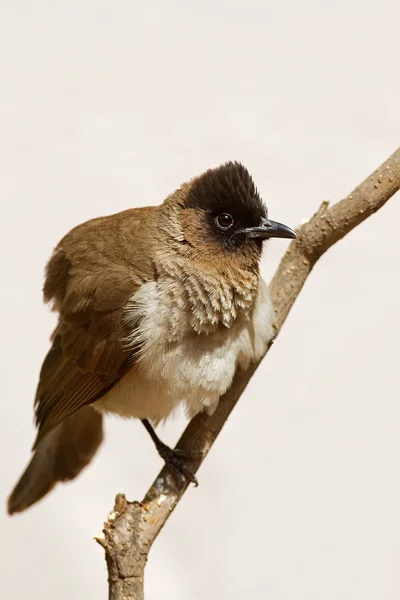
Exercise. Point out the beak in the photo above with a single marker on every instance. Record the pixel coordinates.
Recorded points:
(269, 229)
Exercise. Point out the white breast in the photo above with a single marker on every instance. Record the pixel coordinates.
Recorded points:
(193, 370)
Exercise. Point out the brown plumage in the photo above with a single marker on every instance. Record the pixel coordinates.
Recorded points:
(139, 294)
(61, 456)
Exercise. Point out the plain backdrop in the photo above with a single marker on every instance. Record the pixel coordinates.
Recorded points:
(110, 105)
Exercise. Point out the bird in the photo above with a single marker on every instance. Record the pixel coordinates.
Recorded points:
(157, 309)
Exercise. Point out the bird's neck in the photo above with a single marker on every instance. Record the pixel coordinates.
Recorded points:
(211, 296)
(213, 288)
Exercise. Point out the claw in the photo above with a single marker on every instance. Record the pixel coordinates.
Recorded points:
(176, 460)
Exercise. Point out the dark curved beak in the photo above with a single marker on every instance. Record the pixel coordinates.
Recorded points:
(269, 229)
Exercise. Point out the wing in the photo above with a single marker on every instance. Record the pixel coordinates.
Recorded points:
(89, 282)
(84, 362)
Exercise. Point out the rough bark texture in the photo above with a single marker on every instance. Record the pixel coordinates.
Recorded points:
(132, 527)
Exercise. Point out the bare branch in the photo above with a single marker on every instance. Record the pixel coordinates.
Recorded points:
(132, 527)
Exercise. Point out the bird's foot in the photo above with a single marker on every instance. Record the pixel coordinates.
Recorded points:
(177, 459)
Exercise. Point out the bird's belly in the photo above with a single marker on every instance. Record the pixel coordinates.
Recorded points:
(193, 373)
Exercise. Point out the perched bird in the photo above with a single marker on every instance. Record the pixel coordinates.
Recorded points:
(158, 307)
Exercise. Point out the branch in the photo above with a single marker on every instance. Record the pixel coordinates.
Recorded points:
(132, 527)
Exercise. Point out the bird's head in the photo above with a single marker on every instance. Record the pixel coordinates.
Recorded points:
(220, 214)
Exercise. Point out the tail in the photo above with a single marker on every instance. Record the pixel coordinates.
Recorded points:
(60, 456)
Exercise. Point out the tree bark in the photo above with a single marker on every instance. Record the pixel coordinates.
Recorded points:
(132, 527)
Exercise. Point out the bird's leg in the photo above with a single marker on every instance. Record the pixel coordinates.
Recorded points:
(174, 458)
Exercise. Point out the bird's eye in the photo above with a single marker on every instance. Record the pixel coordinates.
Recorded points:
(224, 221)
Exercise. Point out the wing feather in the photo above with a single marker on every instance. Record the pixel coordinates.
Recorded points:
(89, 279)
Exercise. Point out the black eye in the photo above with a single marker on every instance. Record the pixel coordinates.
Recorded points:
(224, 221)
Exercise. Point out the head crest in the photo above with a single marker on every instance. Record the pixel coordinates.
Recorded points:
(229, 186)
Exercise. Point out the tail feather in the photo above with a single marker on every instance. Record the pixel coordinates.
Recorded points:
(60, 456)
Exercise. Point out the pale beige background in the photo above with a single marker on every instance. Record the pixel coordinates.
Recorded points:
(107, 105)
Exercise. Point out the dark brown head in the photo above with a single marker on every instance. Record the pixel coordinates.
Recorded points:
(221, 211)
